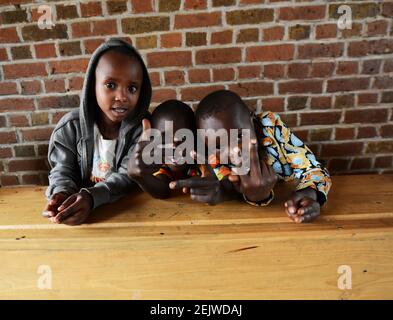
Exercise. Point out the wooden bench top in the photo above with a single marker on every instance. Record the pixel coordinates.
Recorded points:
(144, 248)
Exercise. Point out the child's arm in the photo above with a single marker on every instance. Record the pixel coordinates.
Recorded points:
(315, 182)
(147, 176)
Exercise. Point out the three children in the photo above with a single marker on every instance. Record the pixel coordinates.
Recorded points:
(97, 152)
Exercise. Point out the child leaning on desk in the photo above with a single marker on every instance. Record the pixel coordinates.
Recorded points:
(275, 153)
(88, 148)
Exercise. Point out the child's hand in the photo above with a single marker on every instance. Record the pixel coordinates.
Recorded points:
(75, 209)
(136, 165)
(303, 206)
(206, 188)
(53, 204)
(259, 181)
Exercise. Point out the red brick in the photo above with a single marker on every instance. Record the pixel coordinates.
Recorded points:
(155, 79)
(221, 37)
(314, 50)
(226, 74)
(171, 40)
(345, 133)
(361, 163)
(31, 179)
(337, 165)
(378, 27)
(299, 70)
(195, 4)
(322, 69)
(366, 116)
(363, 48)
(273, 104)
(18, 120)
(141, 6)
(55, 85)
(46, 50)
(320, 118)
(174, 77)
(249, 72)
(342, 149)
(280, 52)
(367, 98)
(387, 130)
(37, 134)
(171, 59)
(68, 66)
(8, 88)
(273, 33)
(321, 102)
(199, 75)
(8, 137)
(274, 71)
(75, 83)
(366, 132)
(218, 56)
(252, 89)
(16, 104)
(326, 31)
(9, 180)
(347, 67)
(3, 55)
(348, 84)
(304, 86)
(92, 44)
(94, 28)
(5, 153)
(198, 93)
(302, 13)
(197, 20)
(8, 35)
(27, 165)
(161, 95)
(22, 70)
(383, 162)
(91, 9)
(31, 87)
(385, 82)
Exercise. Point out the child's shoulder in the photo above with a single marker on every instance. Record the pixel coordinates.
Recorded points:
(69, 117)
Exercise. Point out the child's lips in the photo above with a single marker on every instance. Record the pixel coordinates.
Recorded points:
(119, 111)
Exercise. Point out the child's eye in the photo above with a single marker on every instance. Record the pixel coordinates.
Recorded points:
(110, 85)
(132, 89)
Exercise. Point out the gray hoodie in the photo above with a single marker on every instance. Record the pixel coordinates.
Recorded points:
(71, 145)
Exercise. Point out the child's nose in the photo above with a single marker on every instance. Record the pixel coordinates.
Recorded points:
(121, 95)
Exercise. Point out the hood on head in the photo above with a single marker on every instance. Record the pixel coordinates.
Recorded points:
(88, 105)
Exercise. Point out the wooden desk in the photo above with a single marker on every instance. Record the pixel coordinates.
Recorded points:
(141, 248)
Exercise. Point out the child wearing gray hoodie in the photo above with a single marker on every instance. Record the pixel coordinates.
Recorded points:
(88, 149)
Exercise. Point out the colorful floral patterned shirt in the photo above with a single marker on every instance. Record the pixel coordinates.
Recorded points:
(290, 158)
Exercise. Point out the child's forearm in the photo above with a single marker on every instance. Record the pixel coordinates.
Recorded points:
(156, 187)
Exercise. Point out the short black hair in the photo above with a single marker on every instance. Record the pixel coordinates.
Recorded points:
(220, 101)
(175, 108)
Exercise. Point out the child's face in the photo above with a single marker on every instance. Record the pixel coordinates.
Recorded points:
(178, 123)
(118, 85)
(228, 121)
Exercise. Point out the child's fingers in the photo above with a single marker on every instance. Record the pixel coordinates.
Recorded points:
(67, 202)
(291, 207)
(70, 211)
(145, 130)
(233, 178)
(73, 220)
(194, 182)
(309, 216)
(186, 190)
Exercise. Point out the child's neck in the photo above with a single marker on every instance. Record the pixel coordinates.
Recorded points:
(108, 129)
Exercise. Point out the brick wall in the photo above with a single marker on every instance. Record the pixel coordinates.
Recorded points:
(334, 87)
